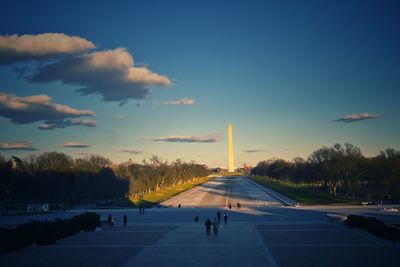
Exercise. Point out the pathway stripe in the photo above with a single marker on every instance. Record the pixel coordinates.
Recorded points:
(267, 252)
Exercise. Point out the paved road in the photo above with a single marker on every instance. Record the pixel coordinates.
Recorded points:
(221, 192)
(256, 235)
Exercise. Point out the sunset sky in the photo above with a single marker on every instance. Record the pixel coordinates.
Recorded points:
(131, 79)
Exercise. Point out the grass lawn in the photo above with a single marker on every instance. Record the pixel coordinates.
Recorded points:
(166, 193)
(305, 196)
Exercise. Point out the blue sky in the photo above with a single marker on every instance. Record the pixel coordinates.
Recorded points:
(281, 71)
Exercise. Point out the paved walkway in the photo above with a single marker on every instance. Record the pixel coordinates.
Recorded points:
(264, 243)
(188, 245)
(221, 192)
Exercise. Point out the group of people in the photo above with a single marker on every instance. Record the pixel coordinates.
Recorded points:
(215, 223)
(238, 205)
(110, 220)
(208, 223)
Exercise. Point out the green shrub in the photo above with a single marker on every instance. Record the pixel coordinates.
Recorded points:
(374, 226)
(46, 233)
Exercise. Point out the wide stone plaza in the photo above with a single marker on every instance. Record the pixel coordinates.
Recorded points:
(265, 231)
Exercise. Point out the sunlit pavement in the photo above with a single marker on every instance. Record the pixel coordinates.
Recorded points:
(263, 232)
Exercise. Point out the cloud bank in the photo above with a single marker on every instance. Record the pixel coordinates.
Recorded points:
(74, 144)
(131, 151)
(34, 108)
(357, 117)
(109, 73)
(15, 48)
(186, 139)
(16, 145)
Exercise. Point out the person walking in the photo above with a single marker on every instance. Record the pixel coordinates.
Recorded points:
(208, 226)
(225, 217)
(230, 206)
(219, 216)
(215, 226)
(125, 219)
(109, 219)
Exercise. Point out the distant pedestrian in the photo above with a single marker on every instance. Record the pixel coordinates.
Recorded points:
(219, 216)
(125, 219)
(141, 209)
(225, 218)
(208, 224)
(238, 205)
(230, 206)
(179, 205)
(215, 226)
(109, 219)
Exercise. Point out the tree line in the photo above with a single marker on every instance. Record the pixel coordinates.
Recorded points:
(58, 178)
(341, 169)
(155, 174)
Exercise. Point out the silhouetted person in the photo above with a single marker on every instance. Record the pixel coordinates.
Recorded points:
(141, 209)
(225, 218)
(238, 205)
(215, 226)
(230, 206)
(196, 219)
(179, 205)
(109, 219)
(125, 219)
(208, 224)
(219, 216)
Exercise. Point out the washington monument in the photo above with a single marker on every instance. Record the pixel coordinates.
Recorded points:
(231, 164)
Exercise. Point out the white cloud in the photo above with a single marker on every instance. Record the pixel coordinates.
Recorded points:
(50, 125)
(14, 48)
(187, 138)
(358, 117)
(119, 117)
(183, 101)
(74, 144)
(109, 73)
(29, 109)
(16, 145)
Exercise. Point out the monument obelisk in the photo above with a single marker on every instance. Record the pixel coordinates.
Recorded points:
(231, 164)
